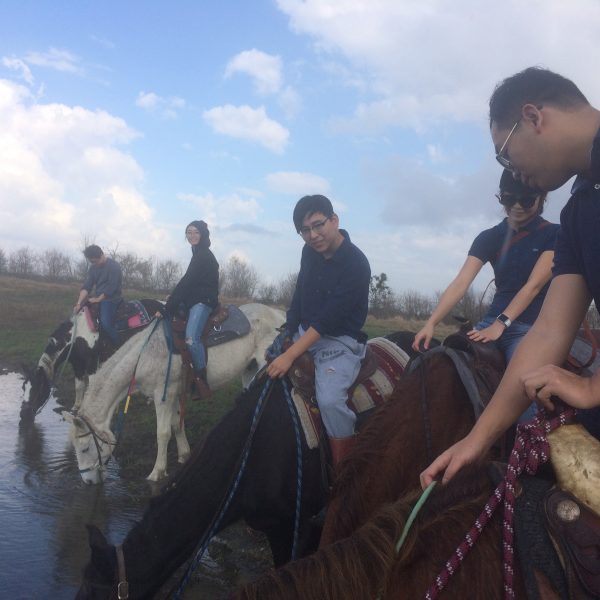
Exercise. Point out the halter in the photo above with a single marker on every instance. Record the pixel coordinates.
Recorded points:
(99, 465)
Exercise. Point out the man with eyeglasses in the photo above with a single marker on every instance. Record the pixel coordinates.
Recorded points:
(327, 313)
(545, 132)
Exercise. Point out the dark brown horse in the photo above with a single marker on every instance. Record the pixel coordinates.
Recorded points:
(429, 412)
(177, 519)
(365, 566)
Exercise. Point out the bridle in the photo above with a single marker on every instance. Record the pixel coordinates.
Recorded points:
(99, 464)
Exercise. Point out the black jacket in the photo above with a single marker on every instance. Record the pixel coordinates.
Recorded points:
(199, 284)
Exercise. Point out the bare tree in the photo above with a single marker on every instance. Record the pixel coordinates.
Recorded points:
(286, 289)
(414, 305)
(267, 293)
(166, 275)
(80, 268)
(382, 302)
(55, 264)
(22, 261)
(128, 262)
(3, 261)
(238, 279)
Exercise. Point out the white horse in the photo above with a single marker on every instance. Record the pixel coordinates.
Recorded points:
(90, 433)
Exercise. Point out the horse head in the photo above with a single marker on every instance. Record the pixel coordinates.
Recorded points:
(99, 573)
(93, 446)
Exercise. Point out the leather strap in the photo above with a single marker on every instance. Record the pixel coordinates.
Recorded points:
(122, 584)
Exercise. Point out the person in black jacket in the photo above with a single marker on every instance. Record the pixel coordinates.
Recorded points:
(197, 292)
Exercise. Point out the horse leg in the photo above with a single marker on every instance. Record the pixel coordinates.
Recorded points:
(183, 447)
(163, 435)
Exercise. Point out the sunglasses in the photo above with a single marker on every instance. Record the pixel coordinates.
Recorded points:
(509, 200)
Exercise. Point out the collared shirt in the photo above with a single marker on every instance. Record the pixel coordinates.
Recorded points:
(106, 279)
(332, 294)
(513, 267)
(578, 244)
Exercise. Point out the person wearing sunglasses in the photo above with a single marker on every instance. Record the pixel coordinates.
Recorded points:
(326, 315)
(545, 131)
(520, 249)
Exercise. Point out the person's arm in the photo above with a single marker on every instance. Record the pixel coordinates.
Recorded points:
(451, 296)
(281, 365)
(83, 294)
(539, 277)
(547, 342)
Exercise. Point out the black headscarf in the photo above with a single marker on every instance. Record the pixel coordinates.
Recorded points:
(202, 227)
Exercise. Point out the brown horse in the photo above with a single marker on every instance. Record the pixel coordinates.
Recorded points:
(366, 566)
(430, 410)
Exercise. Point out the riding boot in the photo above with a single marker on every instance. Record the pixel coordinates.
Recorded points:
(340, 447)
(201, 390)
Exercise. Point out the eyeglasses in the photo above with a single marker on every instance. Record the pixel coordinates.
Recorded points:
(509, 200)
(505, 162)
(316, 227)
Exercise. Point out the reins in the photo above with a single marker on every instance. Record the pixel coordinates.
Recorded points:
(529, 452)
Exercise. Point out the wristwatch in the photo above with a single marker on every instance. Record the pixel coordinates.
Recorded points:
(504, 320)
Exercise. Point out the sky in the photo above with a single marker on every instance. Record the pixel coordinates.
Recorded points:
(121, 122)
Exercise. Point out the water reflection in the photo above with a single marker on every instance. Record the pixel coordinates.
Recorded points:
(44, 506)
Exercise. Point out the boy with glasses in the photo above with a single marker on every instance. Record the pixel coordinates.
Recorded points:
(327, 312)
(557, 136)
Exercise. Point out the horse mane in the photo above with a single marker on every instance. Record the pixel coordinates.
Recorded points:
(366, 565)
(380, 453)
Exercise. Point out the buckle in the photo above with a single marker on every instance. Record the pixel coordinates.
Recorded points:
(123, 590)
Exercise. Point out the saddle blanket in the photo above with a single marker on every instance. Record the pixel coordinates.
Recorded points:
(368, 394)
(131, 314)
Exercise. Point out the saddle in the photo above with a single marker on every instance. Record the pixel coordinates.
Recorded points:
(302, 374)
(131, 314)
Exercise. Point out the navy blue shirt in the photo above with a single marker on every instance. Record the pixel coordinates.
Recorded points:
(578, 244)
(332, 294)
(513, 266)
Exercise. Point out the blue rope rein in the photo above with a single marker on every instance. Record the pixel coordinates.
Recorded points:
(274, 350)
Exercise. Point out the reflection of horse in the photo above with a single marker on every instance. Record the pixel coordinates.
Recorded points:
(176, 520)
(159, 377)
(366, 566)
(85, 354)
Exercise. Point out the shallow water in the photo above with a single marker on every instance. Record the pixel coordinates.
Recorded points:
(45, 506)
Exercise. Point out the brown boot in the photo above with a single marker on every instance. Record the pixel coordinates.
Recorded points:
(340, 447)
(201, 391)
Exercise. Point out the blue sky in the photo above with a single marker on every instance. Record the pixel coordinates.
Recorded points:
(123, 121)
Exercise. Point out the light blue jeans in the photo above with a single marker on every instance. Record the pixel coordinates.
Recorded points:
(197, 318)
(337, 363)
(508, 343)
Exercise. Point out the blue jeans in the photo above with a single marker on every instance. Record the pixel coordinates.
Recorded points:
(108, 312)
(337, 363)
(197, 318)
(508, 343)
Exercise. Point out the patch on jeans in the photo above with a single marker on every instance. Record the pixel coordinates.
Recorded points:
(327, 355)
(330, 370)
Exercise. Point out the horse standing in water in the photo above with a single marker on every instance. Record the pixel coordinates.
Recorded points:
(177, 519)
(78, 341)
(159, 376)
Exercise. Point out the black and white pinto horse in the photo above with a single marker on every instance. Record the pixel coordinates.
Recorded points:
(75, 340)
(158, 375)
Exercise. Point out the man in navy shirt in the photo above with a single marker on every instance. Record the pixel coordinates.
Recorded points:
(327, 312)
(105, 278)
(545, 131)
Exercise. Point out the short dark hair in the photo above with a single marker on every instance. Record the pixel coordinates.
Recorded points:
(309, 205)
(510, 185)
(534, 85)
(93, 251)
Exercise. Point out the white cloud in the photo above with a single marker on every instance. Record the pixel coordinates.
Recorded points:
(296, 183)
(16, 64)
(59, 60)
(247, 123)
(64, 175)
(263, 68)
(426, 62)
(290, 102)
(223, 210)
(167, 107)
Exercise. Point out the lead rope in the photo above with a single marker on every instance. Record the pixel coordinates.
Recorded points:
(529, 452)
